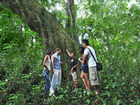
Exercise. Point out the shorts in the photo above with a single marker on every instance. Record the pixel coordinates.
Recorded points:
(94, 76)
(74, 76)
(85, 69)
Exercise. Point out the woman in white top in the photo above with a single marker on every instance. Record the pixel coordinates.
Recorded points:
(46, 74)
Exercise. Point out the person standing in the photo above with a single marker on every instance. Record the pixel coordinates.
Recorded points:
(93, 73)
(56, 71)
(73, 65)
(46, 74)
(84, 74)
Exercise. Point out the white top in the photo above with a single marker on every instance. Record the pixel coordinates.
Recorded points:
(48, 63)
(91, 61)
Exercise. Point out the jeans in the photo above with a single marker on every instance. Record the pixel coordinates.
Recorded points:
(56, 81)
(47, 84)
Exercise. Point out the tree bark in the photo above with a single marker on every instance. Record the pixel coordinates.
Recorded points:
(71, 21)
(41, 21)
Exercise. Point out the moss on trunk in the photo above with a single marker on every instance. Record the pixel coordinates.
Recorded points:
(41, 21)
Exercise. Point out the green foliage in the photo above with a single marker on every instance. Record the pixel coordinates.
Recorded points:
(20, 59)
(113, 30)
(67, 95)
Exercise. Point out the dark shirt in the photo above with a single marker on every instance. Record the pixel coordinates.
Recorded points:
(73, 62)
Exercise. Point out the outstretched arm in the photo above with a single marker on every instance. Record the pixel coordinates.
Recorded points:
(68, 52)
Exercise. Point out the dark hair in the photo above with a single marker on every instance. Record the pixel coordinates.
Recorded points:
(73, 53)
(85, 41)
(57, 49)
(81, 50)
(49, 51)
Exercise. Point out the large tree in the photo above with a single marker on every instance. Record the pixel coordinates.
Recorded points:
(41, 21)
(71, 20)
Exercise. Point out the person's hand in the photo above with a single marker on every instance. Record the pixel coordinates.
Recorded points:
(79, 59)
(66, 50)
(71, 69)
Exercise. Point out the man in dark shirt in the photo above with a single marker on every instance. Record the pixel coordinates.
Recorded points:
(73, 65)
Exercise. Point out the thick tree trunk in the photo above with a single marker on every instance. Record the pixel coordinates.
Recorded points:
(41, 21)
(71, 21)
